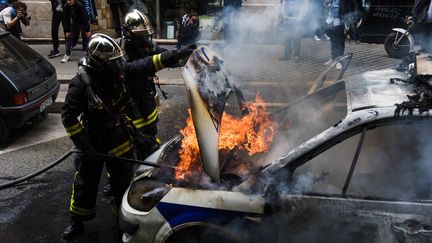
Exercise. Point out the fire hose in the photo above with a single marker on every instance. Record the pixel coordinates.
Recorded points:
(67, 154)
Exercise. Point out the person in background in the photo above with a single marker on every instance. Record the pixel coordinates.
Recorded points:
(335, 28)
(3, 4)
(352, 20)
(317, 15)
(188, 32)
(293, 13)
(75, 19)
(56, 19)
(422, 16)
(116, 6)
(231, 9)
(90, 8)
(11, 18)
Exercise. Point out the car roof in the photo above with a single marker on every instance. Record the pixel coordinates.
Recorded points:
(373, 89)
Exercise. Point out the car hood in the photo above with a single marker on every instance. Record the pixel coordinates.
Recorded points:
(208, 86)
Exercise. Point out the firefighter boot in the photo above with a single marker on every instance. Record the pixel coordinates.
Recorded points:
(73, 230)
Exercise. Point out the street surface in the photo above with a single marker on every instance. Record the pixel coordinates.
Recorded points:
(37, 211)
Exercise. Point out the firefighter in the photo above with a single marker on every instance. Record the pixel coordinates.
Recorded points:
(98, 96)
(137, 42)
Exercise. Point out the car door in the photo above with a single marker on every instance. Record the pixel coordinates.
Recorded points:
(383, 196)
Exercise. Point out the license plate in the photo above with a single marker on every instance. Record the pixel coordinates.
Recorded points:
(45, 104)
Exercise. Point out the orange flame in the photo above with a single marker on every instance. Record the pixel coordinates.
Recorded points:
(252, 133)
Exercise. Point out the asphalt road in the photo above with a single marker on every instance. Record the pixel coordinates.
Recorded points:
(37, 211)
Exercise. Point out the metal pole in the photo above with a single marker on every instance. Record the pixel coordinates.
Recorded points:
(158, 24)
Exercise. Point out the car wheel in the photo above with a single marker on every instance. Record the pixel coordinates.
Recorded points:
(201, 234)
(396, 51)
(4, 131)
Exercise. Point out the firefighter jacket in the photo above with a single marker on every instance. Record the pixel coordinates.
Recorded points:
(100, 100)
(142, 88)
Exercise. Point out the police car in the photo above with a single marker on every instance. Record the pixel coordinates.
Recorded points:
(349, 163)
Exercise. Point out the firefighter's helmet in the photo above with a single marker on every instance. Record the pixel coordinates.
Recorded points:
(103, 49)
(138, 23)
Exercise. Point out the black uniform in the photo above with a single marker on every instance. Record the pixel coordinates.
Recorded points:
(100, 100)
(143, 91)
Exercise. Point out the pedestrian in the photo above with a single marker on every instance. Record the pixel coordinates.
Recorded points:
(188, 32)
(293, 13)
(317, 15)
(335, 28)
(95, 120)
(56, 19)
(75, 20)
(11, 18)
(422, 16)
(352, 20)
(116, 6)
(90, 8)
(231, 10)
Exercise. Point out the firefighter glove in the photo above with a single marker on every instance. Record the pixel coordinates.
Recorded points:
(185, 52)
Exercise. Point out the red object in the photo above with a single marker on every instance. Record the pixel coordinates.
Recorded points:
(20, 98)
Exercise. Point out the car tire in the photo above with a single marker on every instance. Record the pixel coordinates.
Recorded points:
(396, 51)
(4, 131)
(201, 234)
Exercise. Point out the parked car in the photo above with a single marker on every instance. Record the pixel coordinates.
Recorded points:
(28, 84)
(381, 16)
(347, 165)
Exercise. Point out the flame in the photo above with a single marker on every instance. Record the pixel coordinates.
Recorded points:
(252, 133)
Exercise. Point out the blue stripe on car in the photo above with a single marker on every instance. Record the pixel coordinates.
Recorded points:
(177, 214)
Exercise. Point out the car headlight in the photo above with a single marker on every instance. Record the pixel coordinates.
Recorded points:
(145, 194)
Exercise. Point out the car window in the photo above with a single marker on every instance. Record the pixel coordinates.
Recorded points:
(310, 116)
(395, 163)
(326, 173)
(15, 56)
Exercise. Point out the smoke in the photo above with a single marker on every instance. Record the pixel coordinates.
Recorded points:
(394, 164)
(422, 37)
(261, 23)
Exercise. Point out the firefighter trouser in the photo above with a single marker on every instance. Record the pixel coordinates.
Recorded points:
(86, 183)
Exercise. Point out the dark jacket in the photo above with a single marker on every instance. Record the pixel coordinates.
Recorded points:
(420, 9)
(142, 88)
(76, 14)
(103, 124)
(55, 3)
(188, 32)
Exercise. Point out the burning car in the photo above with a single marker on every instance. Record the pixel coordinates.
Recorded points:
(348, 162)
